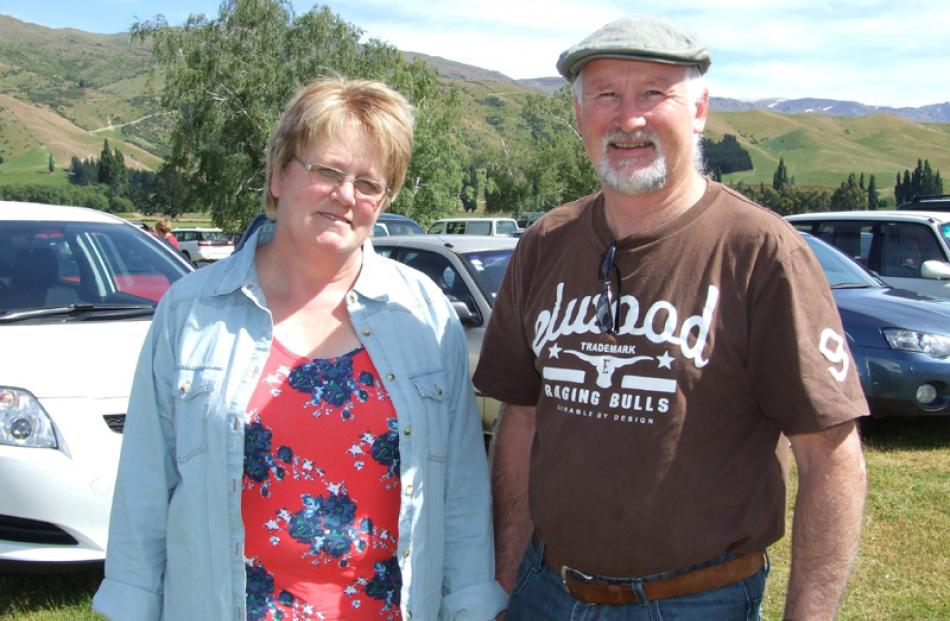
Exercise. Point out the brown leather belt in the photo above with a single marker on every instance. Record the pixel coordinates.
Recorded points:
(619, 592)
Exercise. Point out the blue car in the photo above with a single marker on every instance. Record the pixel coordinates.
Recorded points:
(900, 339)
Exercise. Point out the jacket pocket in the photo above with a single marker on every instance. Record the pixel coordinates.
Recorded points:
(192, 395)
(432, 387)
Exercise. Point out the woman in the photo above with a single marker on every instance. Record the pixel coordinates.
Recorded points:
(302, 439)
(163, 230)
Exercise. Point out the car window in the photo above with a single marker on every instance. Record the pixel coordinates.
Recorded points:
(213, 236)
(442, 273)
(905, 246)
(55, 264)
(945, 231)
(488, 270)
(455, 228)
(479, 227)
(401, 228)
(505, 227)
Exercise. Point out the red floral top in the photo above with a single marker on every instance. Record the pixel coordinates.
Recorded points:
(320, 502)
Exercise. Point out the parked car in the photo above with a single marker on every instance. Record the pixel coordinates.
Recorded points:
(494, 227)
(934, 202)
(908, 249)
(900, 340)
(78, 288)
(469, 270)
(397, 224)
(386, 224)
(203, 244)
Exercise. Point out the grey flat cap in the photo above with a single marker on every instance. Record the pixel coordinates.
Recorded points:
(637, 37)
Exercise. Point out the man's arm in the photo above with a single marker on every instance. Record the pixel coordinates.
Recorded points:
(832, 485)
(509, 473)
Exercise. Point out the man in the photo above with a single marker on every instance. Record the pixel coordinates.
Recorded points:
(652, 342)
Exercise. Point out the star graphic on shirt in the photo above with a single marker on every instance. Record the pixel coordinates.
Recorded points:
(273, 378)
(355, 449)
(334, 488)
(665, 360)
(554, 350)
(283, 370)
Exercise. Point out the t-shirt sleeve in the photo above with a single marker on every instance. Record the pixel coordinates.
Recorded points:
(506, 366)
(801, 368)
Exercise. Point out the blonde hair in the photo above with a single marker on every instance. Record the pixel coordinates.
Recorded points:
(323, 108)
(163, 226)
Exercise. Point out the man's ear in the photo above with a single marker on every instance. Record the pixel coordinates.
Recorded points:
(701, 112)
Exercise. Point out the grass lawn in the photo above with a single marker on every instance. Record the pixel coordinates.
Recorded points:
(902, 571)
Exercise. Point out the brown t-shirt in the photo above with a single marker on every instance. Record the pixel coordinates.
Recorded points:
(660, 447)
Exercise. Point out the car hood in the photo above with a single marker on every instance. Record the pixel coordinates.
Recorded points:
(865, 311)
(94, 359)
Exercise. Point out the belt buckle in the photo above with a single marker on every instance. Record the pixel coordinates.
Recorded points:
(586, 578)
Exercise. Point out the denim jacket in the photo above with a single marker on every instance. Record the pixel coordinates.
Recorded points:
(176, 539)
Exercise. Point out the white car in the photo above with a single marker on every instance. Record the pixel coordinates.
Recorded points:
(907, 249)
(494, 227)
(78, 288)
(204, 244)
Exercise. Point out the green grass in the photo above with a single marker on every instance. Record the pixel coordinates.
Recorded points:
(901, 572)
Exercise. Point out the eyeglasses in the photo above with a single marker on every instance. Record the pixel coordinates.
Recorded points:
(608, 321)
(363, 188)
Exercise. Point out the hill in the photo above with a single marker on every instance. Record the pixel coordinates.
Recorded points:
(63, 91)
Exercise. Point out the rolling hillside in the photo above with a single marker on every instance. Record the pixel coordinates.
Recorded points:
(63, 91)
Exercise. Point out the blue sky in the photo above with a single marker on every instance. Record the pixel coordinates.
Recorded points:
(876, 52)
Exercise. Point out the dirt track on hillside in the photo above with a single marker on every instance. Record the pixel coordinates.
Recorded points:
(64, 139)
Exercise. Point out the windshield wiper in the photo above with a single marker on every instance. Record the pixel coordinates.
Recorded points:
(850, 285)
(83, 312)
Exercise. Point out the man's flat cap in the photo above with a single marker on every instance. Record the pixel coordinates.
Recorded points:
(637, 37)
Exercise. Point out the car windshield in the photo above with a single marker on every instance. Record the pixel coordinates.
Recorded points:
(945, 230)
(840, 271)
(214, 236)
(488, 268)
(76, 268)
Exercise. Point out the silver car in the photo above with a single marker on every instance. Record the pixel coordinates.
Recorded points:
(469, 269)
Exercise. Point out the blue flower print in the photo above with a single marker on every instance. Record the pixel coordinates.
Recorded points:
(260, 589)
(386, 448)
(326, 524)
(386, 582)
(258, 461)
(331, 382)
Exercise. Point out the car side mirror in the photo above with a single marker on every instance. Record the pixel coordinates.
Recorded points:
(935, 269)
(465, 315)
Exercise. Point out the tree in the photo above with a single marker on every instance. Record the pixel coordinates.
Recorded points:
(849, 197)
(51, 165)
(727, 156)
(780, 179)
(873, 199)
(229, 78)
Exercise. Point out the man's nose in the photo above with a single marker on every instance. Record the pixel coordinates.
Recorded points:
(630, 115)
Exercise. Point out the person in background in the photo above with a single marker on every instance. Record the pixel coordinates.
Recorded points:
(656, 343)
(302, 438)
(163, 230)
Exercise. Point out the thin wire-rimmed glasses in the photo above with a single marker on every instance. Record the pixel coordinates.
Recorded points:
(363, 188)
(607, 319)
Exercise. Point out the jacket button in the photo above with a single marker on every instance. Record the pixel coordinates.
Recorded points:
(184, 388)
(367, 331)
(351, 297)
(409, 490)
(405, 553)
(390, 377)
(407, 430)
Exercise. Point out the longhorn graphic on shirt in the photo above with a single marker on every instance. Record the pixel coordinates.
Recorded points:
(606, 365)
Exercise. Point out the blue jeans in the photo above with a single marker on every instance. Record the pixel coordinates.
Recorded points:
(539, 595)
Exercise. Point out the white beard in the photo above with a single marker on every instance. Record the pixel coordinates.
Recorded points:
(644, 180)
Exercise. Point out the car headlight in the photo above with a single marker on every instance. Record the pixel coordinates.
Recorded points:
(934, 345)
(23, 421)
